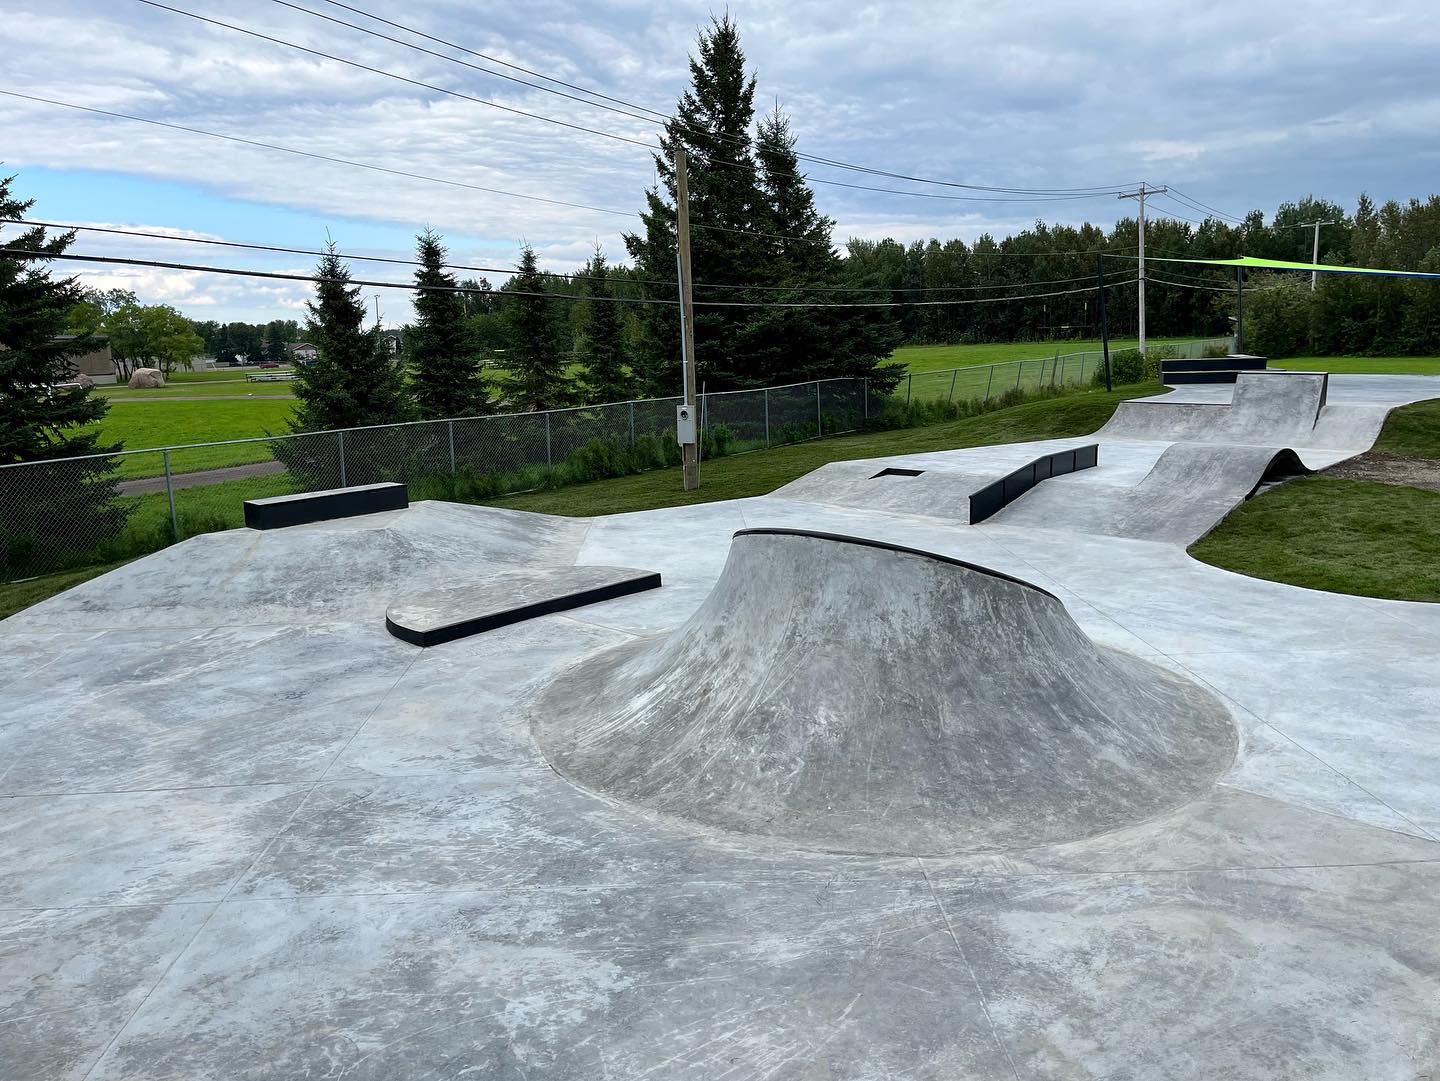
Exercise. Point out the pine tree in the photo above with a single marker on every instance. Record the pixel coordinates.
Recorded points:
(712, 123)
(46, 512)
(794, 344)
(536, 378)
(352, 381)
(443, 356)
(606, 377)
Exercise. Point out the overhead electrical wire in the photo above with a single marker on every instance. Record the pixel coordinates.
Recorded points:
(1176, 195)
(631, 108)
(617, 279)
(29, 253)
(1022, 195)
(320, 157)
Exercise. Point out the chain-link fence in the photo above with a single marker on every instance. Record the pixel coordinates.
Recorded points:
(983, 382)
(83, 511)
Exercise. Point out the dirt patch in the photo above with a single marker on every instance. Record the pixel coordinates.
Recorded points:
(1389, 469)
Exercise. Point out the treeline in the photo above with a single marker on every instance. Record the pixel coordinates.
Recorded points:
(254, 341)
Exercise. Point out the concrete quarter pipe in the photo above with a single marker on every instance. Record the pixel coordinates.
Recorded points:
(844, 695)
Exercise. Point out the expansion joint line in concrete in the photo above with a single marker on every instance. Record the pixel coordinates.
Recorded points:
(239, 878)
(980, 991)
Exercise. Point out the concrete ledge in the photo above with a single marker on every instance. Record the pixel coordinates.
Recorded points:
(994, 497)
(280, 511)
(430, 619)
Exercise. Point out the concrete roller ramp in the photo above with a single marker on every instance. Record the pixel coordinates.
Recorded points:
(843, 695)
(1266, 409)
(1190, 488)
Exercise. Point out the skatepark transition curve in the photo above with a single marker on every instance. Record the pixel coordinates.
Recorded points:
(846, 695)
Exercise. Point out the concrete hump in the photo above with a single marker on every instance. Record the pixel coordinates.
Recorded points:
(845, 695)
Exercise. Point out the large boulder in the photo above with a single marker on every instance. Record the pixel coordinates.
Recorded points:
(146, 379)
(84, 380)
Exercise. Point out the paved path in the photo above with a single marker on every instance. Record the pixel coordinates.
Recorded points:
(201, 477)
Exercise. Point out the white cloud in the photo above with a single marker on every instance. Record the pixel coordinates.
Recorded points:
(1229, 101)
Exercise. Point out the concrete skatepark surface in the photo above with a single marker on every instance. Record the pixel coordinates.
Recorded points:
(246, 833)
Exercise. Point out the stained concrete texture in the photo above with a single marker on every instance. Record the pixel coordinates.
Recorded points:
(245, 834)
(850, 697)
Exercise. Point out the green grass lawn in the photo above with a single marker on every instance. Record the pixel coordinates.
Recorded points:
(1346, 536)
(17, 595)
(930, 358)
(1412, 430)
(1362, 365)
(163, 424)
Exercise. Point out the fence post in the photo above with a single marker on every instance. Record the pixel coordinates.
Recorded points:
(451, 425)
(632, 424)
(1019, 370)
(953, 374)
(1062, 371)
(909, 385)
(767, 416)
(819, 423)
(865, 390)
(340, 438)
(170, 495)
(549, 458)
(988, 381)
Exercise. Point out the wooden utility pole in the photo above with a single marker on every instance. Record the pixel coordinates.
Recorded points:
(1140, 280)
(689, 450)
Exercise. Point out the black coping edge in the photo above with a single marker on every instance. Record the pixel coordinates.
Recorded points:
(277, 512)
(1233, 363)
(465, 628)
(1001, 493)
(886, 546)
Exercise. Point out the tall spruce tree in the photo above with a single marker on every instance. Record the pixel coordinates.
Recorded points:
(712, 123)
(535, 361)
(46, 512)
(444, 360)
(792, 344)
(606, 376)
(736, 209)
(352, 381)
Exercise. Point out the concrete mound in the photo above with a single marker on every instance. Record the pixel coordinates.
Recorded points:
(1273, 408)
(845, 695)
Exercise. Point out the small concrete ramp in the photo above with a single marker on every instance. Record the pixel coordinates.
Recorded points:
(1191, 487)
(1267, 409)
(841, 694)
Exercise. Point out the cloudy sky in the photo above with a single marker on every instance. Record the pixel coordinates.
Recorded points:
(1238, 105)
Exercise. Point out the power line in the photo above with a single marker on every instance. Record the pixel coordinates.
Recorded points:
(320, 157)
(32, 253)
(319, 254)
(581, 127)
(656, 115)
(618, 278)
(398, 78)
(1204, 208)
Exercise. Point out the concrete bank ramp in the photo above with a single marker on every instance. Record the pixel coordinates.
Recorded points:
(1186, 493)
(844, 695)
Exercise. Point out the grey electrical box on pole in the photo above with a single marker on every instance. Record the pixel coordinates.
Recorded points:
(689, 449)
(685, 433)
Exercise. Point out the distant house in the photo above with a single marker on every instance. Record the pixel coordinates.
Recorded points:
(301, 352)
(394, 341)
